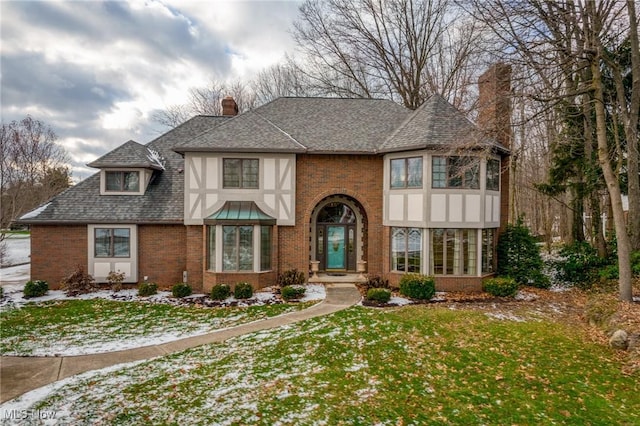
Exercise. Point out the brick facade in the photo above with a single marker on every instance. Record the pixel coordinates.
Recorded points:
(56, 251)
(320, 176)
(162, 253)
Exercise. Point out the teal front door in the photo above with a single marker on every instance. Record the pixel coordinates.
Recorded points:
(336, 247)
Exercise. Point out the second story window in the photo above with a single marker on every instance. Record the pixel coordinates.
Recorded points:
(493, 175)
(120, 181)
(240, 173)
(406, 172)
(455, 172)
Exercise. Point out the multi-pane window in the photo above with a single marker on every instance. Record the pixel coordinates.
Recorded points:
(112, 242)
(406, 172)
(211, 248)
(237, 248)
(406, 249)
(120, 181)
(240, 173)
(488, 248)
(493, 175)
(455, 172)
(265, 248)
(453, 251)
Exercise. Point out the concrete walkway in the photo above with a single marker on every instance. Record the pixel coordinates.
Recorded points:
(19, 375)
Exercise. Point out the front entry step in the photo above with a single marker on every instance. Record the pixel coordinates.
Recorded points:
(338, 279)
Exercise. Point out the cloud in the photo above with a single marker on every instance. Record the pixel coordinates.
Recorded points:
(95, 71)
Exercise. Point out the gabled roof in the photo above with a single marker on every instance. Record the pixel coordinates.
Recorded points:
(313, 125)
(129, 154)
(163, 201)
(436, 123)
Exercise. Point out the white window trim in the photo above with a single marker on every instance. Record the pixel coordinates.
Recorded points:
(144, 175)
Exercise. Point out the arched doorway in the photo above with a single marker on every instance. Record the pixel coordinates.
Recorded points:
(338, 226)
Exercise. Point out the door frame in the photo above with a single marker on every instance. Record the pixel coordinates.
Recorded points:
(318, 233)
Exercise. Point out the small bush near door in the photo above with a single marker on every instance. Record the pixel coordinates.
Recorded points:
(147, 289)
(501, 287)
(292, 292)
(417, 286)
(35, 288)
(181, 290)
(290, 277)
(243, 291)
(220, 291)
(79, 282)
(381, 295)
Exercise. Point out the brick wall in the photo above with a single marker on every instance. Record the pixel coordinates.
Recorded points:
(162, 253)
(320, 176)
(56, 251)
(195, 256)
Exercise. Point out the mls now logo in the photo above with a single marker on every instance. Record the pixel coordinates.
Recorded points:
(29, 415)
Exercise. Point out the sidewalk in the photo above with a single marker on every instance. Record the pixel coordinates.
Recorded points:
(19, 375)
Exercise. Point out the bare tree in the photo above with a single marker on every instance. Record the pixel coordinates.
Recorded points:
(403, 50)
(33, 168)
(282, 79)
(564, 45)
(206, 100)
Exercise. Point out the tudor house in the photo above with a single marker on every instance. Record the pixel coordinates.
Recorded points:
(345, 184)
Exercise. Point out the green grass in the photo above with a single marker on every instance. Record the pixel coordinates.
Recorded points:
(20, 232)
(414, 365)
(46, 328)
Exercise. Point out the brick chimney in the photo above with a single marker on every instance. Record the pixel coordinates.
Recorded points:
(229, 106)
(494, 117)
(494, 103)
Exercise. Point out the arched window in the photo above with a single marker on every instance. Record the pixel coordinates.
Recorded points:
(336, 213)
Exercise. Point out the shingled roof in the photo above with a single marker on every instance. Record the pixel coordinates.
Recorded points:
(311, 125)
(162, 202)
(129, 154)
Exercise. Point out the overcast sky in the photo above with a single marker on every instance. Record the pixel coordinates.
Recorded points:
(96, 70)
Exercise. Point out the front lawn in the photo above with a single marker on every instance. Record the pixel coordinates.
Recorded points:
(72, 327)
(413, 365)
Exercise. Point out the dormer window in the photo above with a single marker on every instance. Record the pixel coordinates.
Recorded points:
(122, 181)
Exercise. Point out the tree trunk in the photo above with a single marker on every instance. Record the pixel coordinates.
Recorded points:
(624, 243)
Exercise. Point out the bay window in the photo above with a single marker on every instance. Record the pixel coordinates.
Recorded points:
(455, 172)
(406, 249)
(493, 175)
(406, 172)
(488, 249)
(453, 251)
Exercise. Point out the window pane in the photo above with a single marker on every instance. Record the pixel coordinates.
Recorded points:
(469, 247)
(493, 175)
(437, 251)
(102, 242)
(449, 242)
(414, 168)
(472, 174)
(131, 181)
(398, 173)
(245, 261)
(320, 242)
(414, 254)
(265, 248)
(439, 172)
(488, 236)
(454, 172)
(229, 249)
(113, 181)
(250, 173)
(211, 247)
(231, 173)
(121, 242)
(398, 248)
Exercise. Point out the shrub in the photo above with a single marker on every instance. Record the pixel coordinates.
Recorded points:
(243, 291)
(501, 287)
(579, 264)
(147, 289)
(181, 290)
(290, 277)
(35, 288)
(417, 286)
(609, 272)
(1, 292)
(78, 282)
(290, 292)
(381, 295)
(375, 281)
(115, 280)
(519, 257)
(220, 291)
